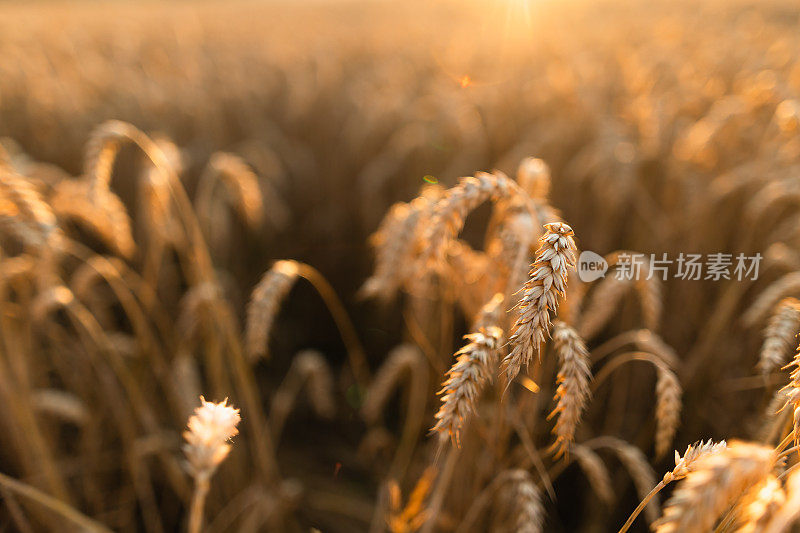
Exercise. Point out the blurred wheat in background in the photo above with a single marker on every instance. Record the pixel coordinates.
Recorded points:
(300, 266)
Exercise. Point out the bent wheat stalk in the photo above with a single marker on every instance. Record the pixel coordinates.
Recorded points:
(52, 504)
(668, 394)
(637, 466)
(272, 289)
(403, 360)
(102, 148)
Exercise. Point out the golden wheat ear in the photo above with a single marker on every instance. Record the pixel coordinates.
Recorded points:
(546, 283)
(521, 493)
(264, 304)
(207, 437)
(573, 390)
(715, 482)
(683, 465)
(779, 336)
(473, 368)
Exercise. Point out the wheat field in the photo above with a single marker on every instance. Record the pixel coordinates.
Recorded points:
(371, 265)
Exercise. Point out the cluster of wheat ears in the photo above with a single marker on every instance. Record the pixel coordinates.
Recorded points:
(473, 382)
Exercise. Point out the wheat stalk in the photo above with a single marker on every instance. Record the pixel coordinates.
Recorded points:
(668, 393)
(641, 473)
(547, 282)
(642, 339)
(58, 507)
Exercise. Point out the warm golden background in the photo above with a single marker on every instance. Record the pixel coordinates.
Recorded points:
(667, 126)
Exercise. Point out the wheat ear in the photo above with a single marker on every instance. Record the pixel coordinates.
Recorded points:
(271, 291)
(760, 505)
(395, 244)
(524, 495)
(473, 368)
(779, 335)
(265, 303)
(207, 436)
(450, 212)
(668, 408)
(533, 175)
(668, 393)
(242, 185)
(546, 283)
(24, 212)
(573, 379)
(789, 510)
(716, 481)
(792, 394)
(683, 465)
(98, 209)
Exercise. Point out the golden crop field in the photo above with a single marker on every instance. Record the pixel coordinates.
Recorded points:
(383, 265)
